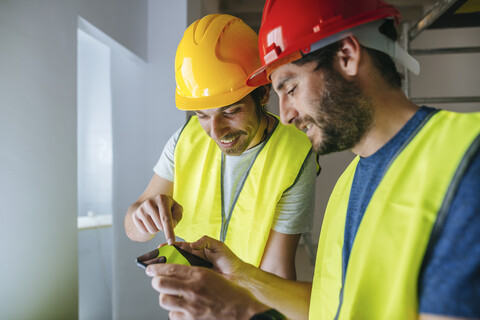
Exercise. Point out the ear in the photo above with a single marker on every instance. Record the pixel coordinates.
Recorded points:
(266, 95)
(349, 56)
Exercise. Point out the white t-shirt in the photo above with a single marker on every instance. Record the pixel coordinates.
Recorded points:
(294, 212)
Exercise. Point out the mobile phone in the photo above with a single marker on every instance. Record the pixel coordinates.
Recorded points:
(171, 254)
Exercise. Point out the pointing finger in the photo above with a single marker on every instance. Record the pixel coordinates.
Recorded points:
(164, 207)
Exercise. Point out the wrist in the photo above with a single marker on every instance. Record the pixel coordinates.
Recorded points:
(243, 275)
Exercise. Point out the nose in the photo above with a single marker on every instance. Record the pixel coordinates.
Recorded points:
(217, 128)
(288, 113)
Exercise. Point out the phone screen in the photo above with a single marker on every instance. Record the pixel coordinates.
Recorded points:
(171, 254)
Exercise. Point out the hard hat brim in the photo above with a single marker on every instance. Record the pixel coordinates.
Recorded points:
(211, 102)
(258, 77)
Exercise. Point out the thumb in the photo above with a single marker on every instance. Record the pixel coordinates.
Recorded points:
(211, 246)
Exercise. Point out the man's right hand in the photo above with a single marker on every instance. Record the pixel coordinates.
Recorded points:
(224, 260)
(158, 213)
(200, 293)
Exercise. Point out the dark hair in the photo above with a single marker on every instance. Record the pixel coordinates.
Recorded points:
(258, 93)
(382, 61)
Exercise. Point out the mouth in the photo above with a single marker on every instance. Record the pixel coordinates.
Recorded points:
(308, 129)
(304, 128)
(228, 142)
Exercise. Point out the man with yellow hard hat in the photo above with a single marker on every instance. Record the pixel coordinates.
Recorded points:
(233, 171)
(400, 235)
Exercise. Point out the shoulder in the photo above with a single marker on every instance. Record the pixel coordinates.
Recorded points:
(450, 283)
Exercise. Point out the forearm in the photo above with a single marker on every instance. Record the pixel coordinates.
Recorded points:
(289, 297)
(131, 230)
(279, 254)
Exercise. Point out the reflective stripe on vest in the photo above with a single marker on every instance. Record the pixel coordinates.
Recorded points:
(197, 187)
(389, 247)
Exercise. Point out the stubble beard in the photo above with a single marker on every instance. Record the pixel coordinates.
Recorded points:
(241, 146)
(343, 113)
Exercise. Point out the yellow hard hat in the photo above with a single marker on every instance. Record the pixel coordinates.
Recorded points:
(214, 58)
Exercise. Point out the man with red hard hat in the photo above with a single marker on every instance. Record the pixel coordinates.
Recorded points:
(400, 234)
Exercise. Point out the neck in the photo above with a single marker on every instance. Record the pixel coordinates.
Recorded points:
(392, 110)
(262, 131)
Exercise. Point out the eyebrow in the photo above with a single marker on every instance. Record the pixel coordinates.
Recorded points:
(221, 109)
(282, 83)
(229, 106)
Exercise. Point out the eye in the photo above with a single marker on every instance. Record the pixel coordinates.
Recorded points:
(202, 116)
(290, 92)
(231, 112)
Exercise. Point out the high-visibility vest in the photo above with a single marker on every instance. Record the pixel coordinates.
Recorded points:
(381, 279)
(198, 188)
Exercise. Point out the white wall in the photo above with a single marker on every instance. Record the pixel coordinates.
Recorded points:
(38, 193)
(38, 267)
(133, 296)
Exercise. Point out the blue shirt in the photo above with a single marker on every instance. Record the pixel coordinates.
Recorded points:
(450, 281)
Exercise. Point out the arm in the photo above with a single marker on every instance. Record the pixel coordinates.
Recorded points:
(279, 255)
(291, 298)
(294, 216)
(154, 211)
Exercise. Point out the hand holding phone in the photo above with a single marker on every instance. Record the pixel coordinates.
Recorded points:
(171, 254)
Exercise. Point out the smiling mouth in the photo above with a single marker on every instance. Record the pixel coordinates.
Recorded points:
(304, 128)
(227, 141)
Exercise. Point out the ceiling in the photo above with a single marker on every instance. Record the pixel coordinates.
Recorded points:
(250, 11)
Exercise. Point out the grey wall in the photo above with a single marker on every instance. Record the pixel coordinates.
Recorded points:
(448, 75)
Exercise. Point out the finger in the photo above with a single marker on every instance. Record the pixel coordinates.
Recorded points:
(164, 208)
(170, 285)
(143, 215)
(176, 315)
(139, 224)
(169, 270)
(162, 245)
(206, 242)
(151, 215)
(160, 259)
(171, 302)
(188, 247)
(183, 245)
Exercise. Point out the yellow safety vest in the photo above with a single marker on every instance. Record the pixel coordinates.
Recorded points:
(382, 274)
(197, 187)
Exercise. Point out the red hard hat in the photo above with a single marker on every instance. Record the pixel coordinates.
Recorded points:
(292, 26)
